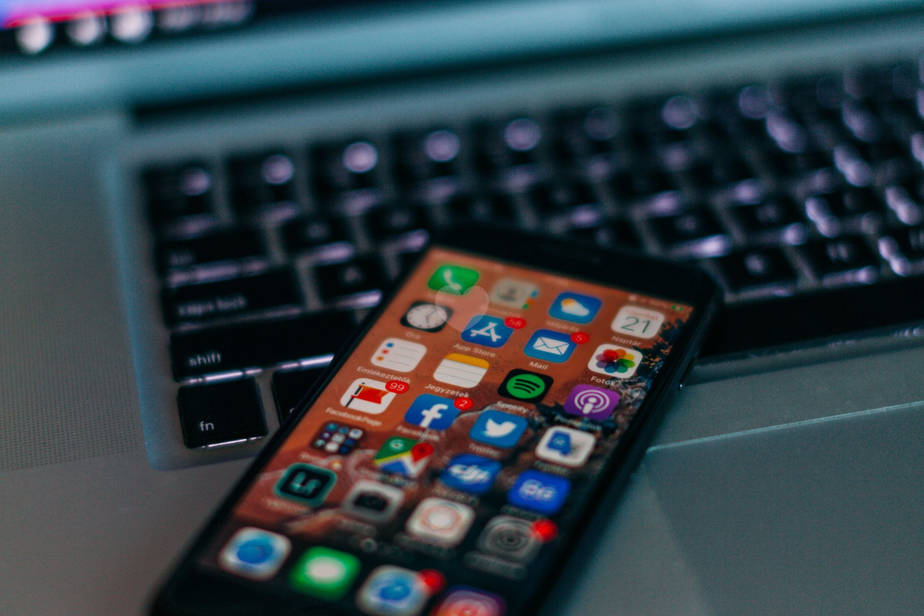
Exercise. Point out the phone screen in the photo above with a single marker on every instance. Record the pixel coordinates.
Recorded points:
(452, 454)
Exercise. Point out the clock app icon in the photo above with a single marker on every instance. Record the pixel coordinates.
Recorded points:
(426, 316)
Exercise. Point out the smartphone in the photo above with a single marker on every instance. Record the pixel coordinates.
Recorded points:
(457, 446)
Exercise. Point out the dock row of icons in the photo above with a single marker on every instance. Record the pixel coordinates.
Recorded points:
(388, 590)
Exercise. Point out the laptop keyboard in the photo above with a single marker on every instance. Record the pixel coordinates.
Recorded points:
(804, 197)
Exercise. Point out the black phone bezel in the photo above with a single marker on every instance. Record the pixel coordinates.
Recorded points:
(678, 282)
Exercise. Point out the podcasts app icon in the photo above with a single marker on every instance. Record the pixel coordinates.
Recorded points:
(591, 402)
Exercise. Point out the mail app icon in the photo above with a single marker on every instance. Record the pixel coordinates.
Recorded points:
(550, 345)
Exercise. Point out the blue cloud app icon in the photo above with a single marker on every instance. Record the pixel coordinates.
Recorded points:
(575, 307)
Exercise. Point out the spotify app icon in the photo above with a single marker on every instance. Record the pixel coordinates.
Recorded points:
(525, 385)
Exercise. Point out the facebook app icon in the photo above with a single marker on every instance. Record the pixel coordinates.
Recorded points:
(431, 412)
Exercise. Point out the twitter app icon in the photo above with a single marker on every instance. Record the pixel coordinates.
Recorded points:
(498, 428)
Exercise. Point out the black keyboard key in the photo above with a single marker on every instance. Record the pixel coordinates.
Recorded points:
(315, 233)
(783, 164)
(501, 207)
(341, 281)
(290, 386)
(463, 207)
(224, 413)
(502, 146)
(230, 298)
(557, 198)
(846, 258)
(757, 269)
(421, 156)
(258, 344)
(262, 183)
(844, 204)
(773, 215)
(641, 182)
(693, 232)
(904, 249)
(612, 234)
(177, 194)
(340, 167)
(388, 222)
(232, 245)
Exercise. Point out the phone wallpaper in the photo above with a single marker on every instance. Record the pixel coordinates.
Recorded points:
(457, 443)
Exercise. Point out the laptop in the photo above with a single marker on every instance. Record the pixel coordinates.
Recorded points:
(186, 185)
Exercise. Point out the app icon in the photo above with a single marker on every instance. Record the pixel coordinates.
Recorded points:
(337, 438)
(367, 396)
(306, 483)
(324, 573)
(637, 321)
(426, 316)
(403, 456)
(453, 279)
(510, 538)
(615, 360)
(513, 293)
(525, 385)
(550, 345)
(539, 492)
(471, 473)
(392, 591)
(373, 501)
(441, 521)
(498, 428)
(566, 446)
(591, 402)
(466, 601)
(398, 355)
(431, 412)
(254, 553)
(486, 331)
(461, 370)
(575, 307)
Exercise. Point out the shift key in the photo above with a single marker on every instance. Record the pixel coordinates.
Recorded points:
(258, 344)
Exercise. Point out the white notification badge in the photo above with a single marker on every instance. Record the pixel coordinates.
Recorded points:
(638, 322)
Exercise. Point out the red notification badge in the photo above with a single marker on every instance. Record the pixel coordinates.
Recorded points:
(397, 387)
(515, 322)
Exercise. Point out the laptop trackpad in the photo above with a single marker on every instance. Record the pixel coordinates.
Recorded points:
(819, 517)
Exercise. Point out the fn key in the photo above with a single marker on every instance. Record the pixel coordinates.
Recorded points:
(225, 413)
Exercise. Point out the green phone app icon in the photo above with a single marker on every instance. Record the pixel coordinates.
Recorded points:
(324, 573)
(453, 279)
(525, 385)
